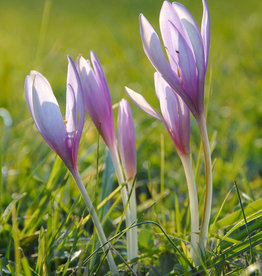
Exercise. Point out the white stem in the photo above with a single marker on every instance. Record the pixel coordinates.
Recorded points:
(208, 194)
(193, 201)
(133, 214)
(96, 222)
(120, 178)
(119, 174)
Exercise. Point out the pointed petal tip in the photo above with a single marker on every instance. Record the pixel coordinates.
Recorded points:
(69, 59)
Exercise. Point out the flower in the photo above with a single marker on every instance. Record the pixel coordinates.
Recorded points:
(187, 49)
(175, 113)
(63, 136)
(126, 140)
(97, 97)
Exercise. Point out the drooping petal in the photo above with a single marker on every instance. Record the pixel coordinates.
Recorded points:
(126, 140)
(205, 30)
(141, 102)
(47, 114)
(193, 33)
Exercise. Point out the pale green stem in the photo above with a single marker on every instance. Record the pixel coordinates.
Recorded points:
(193, 201)
(96, 222)
(208, 194)
(133, 214)
(120, 178)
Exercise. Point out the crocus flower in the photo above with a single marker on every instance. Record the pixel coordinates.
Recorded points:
(126, 140)
(97, 97)
(187, 49)
(61, 135)
(176, 117)
(99, 107)
(175, 113)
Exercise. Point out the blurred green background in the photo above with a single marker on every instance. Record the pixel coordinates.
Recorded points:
(37, 35)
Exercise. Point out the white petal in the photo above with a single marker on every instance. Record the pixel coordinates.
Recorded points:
(153, 48)
(205, 30)
(47, 112)
(140, 101)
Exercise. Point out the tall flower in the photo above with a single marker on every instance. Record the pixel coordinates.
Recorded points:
(187, 49)
(99, 106)
(61, 135)
(175, 113)
(176, 118)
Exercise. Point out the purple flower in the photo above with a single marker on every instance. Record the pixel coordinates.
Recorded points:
(97, 97)
(126, 140)
(61, 135)
(187, 50)
(175, 113)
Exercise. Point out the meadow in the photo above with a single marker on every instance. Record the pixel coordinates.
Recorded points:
(44, 225)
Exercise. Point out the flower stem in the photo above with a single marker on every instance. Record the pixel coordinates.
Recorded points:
(208, 194)
(96, 222)
(193, 200)
(133, 217)
(124, 192)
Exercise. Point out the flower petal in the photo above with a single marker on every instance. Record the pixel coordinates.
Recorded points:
(140, 101)
(96, 103)
(126, 139)
(153, 49)
(175, 113)
(29, 101)
(168, 14)
(48, 115)
(71, 111)
(193, 33)
(75, 110)
(185, 61)
(89, 85)
(101, 78)
(205, 30)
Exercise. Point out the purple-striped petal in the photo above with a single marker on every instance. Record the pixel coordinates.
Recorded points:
(193, 33)
(186, 63)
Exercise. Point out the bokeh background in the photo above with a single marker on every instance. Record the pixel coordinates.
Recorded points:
(37, 35)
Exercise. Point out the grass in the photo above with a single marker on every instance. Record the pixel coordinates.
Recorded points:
(44, 225)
